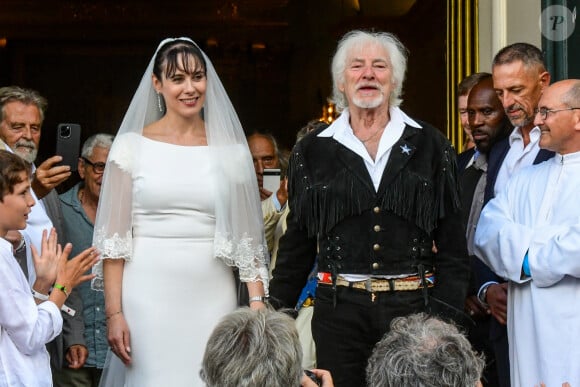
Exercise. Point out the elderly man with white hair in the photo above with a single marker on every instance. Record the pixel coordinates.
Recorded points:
(370, 195)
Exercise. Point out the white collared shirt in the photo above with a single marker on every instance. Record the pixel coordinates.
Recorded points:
(517, 156)
(342, 132)
(25, 327)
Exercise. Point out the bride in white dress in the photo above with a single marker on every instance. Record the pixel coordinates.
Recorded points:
(179, 206)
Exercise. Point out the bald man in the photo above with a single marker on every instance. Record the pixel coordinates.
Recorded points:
(530, 234)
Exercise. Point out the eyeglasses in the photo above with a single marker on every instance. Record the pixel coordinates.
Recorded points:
(544, 111)
(97, 167)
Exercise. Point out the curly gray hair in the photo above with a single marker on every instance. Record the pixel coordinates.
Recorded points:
(253, 348)
(423, 351)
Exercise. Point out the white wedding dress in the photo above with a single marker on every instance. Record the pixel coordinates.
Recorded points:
(174, 290)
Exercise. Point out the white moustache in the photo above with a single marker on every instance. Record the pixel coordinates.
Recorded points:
(25, 144)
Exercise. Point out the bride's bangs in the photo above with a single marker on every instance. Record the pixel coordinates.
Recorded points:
(184, 58)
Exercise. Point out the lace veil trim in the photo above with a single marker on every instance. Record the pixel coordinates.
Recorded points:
(250, 260)
(116, 247)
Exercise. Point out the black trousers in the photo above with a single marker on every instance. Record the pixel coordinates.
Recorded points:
(478, 336)
(499, 340)
(345, 335)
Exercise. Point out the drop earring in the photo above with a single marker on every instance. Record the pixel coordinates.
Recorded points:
(159, 104)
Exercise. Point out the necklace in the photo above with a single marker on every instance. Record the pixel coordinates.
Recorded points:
(371, 136)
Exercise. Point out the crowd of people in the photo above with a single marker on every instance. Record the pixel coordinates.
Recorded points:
(379, 258)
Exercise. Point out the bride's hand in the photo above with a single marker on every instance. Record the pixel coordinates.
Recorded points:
(119, 337)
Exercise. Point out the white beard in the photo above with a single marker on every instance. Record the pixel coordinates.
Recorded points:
(26, 149)
(369, 104)
(28, 154)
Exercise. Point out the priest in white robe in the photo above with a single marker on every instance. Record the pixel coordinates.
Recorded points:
(530, 235)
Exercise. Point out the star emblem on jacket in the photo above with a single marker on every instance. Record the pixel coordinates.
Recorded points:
(405, 149)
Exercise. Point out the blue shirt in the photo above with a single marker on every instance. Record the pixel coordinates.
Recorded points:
(79, 230)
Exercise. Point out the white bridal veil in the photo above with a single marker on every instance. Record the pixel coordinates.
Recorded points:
(239, 236)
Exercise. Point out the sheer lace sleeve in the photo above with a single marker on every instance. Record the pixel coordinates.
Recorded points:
(239, 238)
(113, 226)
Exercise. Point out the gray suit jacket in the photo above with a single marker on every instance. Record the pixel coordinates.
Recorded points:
(73, 328)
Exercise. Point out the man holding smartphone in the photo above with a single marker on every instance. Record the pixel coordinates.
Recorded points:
(266, 156)
(21, 117)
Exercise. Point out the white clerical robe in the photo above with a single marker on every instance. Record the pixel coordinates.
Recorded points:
(539, 212)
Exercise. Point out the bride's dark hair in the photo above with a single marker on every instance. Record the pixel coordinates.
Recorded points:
(190, 61)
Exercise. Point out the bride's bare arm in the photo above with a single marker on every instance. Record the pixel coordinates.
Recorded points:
(117, 328)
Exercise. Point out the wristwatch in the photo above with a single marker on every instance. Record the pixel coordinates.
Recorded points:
(482, 297)
(263, 299)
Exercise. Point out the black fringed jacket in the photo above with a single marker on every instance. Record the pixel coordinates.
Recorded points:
(333, 204)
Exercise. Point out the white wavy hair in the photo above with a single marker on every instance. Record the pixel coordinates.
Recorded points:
(358, 38)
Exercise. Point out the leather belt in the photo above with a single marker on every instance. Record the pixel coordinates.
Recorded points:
(381, 284)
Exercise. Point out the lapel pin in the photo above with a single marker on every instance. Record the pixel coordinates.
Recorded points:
(405, 149)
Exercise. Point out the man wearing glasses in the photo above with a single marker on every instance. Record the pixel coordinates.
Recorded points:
(79, 208)
(21, 116)
(519, 78)
(530, 234)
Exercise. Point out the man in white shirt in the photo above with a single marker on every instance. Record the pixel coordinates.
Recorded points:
(519, 78)
(21, 116)
(530, 234)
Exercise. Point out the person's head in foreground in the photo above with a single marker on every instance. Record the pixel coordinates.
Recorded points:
(423, 351)
(253, 348)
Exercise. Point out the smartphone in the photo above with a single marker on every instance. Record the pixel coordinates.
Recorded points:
(313, 377)
(271, 179)
(68, 142)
